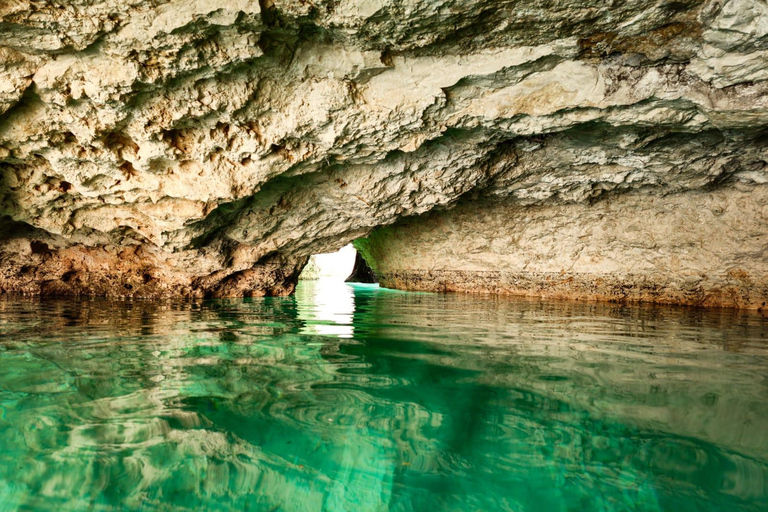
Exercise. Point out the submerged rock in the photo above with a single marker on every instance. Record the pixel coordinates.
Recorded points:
(208, 148)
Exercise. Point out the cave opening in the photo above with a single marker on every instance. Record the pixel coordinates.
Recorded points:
(346, 264)
(335, 266)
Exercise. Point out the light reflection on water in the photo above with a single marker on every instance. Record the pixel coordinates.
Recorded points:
(359, 399)
(327, 307)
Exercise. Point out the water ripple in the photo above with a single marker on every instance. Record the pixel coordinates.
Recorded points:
(354, 398)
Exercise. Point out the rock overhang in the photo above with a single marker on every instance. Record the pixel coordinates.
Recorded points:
(205, 143)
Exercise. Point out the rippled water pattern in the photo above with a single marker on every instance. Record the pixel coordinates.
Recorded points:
(361, 399)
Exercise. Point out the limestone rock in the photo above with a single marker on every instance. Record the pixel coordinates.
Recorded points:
(311, 271)
(216, 145)
(361, 272)
(698, 248)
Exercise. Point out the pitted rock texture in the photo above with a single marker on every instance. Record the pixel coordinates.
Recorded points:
(699, 248)
(216, 145)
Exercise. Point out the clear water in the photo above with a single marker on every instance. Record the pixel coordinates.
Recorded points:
(361, 399)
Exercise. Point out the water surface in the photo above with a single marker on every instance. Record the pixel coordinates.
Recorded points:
(355, 398)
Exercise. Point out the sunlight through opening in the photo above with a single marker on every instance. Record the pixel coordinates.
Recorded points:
(337, 265)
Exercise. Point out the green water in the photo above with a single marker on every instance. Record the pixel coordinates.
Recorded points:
(362, 399)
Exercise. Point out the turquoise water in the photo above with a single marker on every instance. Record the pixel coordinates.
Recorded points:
(361, 399)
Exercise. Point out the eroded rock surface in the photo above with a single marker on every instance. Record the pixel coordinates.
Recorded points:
(696, 249)
(194, 147)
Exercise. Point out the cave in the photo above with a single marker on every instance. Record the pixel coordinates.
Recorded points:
(553, 218)
(154, 163)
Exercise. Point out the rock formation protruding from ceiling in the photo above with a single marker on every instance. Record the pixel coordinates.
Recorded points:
(207, 148)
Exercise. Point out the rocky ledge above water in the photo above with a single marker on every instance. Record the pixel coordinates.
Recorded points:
(590, 149)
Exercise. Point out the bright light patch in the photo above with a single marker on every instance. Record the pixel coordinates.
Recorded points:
(337, 265)
(332, 307)
(332, 299)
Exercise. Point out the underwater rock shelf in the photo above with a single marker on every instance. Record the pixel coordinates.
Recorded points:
(593, 150)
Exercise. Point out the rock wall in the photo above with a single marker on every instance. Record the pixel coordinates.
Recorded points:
(699, 248)
(189, 147)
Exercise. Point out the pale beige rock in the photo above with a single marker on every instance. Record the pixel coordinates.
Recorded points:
(697, 248)
(225, 136)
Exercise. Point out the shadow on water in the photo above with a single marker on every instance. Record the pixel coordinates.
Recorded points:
(356, 398)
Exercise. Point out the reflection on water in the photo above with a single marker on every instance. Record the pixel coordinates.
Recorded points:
(326, 307)
(363, 399)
